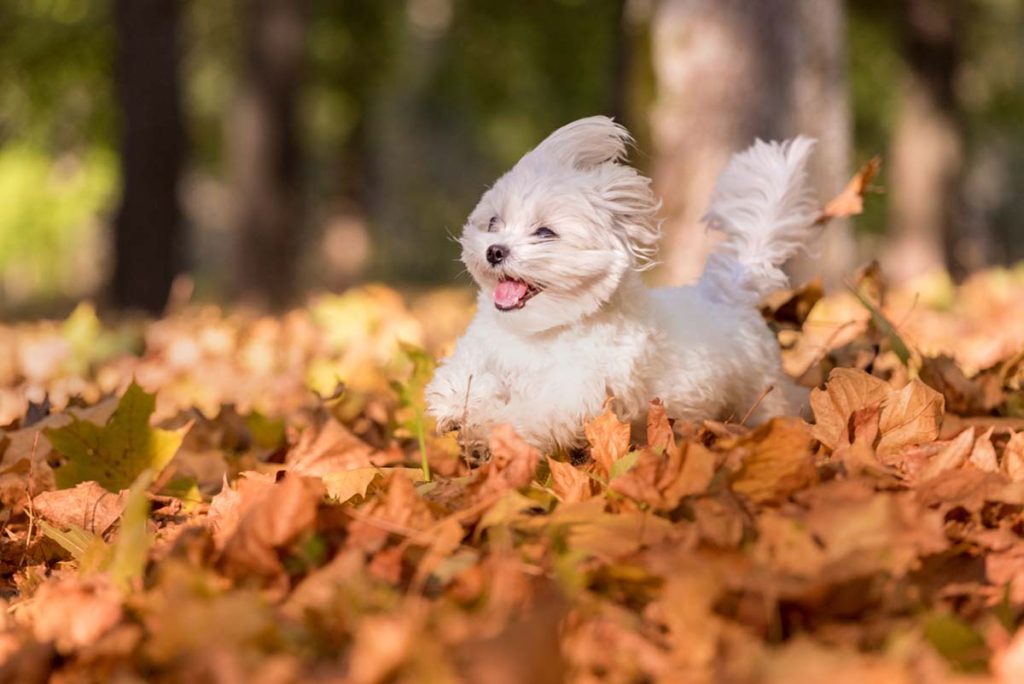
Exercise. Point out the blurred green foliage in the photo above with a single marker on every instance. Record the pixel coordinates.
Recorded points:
(409, 109)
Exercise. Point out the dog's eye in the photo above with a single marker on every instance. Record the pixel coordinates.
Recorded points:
(545, 232)
(492, 225)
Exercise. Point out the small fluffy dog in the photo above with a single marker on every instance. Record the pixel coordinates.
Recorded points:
(564, 322)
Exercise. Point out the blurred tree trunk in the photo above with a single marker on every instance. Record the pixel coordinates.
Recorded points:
(729, 71)
(264, 150)
(926, 153)
(149, 234)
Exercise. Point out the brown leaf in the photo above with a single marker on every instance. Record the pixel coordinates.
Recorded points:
(569, 483)
(328, 448)
(270, 517)
(226, 507)
(660, 436)
(911, 416)
(661, 480)
(983, 454)
(86, 505)
(609, 439)
(850, 202)
(696, 474)
(876, 531)
(777, 460)
(1013, 457)
(953, 455)
(846, 391)
(513, 459)
(74, 612)
(963, 396)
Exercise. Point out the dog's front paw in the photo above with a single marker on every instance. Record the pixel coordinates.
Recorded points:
(445, 404)
(447, 424)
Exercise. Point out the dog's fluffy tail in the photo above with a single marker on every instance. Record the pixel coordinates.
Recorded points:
(764, 204)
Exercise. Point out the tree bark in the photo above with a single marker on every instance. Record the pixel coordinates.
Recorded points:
(149, 233)
(730, 71)
(927, 150)
(265, 151)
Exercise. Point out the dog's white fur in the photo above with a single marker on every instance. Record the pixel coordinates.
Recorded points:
(594, 331)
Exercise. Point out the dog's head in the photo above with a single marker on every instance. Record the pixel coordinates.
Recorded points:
(550, 242)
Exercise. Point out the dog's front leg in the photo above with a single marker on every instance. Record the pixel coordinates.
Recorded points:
(463, 393)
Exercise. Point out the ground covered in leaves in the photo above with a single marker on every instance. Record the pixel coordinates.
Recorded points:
(227, 498)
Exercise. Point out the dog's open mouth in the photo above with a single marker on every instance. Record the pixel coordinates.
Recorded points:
(511, 294)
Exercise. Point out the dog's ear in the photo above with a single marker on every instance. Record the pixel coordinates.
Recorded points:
(626, 194)
(585, 143)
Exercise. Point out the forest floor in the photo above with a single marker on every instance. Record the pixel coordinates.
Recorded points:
(217, 496)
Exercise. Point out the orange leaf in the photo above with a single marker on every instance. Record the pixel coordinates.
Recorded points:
(609, 439)
(850, 202)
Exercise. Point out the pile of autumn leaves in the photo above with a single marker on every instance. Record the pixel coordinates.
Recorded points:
(228, 523)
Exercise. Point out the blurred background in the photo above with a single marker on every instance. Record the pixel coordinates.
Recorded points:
(256, 150)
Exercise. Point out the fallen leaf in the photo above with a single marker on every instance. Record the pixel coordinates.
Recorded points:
(86, 505)
(608, 438)
(953, 455)
(846, 391)
(776, 460)
(983, 454)
(911, 416)
(115, 454)
(347, 484)
(570, 484)
(270, 517)
(74, 612)
(1013, 457)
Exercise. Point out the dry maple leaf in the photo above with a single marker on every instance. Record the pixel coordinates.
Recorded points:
(86, 505)
(909, 416)
(329, 448)
(661, 480)
(570, 484)
(850, 202)
(513, 464)
(269, 518)
(777, 460)
(73, 612)
(608, 438)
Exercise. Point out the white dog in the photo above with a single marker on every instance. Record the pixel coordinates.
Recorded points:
(563, 321)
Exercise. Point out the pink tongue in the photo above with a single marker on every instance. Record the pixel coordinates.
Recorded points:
(509, 292)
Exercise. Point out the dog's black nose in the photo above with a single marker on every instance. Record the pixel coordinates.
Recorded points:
(496, 254)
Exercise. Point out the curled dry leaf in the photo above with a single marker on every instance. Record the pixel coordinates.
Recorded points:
(608, 438)
(86, 505)
(1013, 457)
(569, 483)
(270, 517)
(512, 465)
(777, 460)
(661, 480)
(908, 416)
(73, 612)
(850, 202)
(329, 448)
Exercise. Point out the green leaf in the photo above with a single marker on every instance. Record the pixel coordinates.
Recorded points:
(75, 540)
(128, 558)
(266, 432)
(116, 453)
(957, 641)
(623, 465)
(885, 327)
(410, 396)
